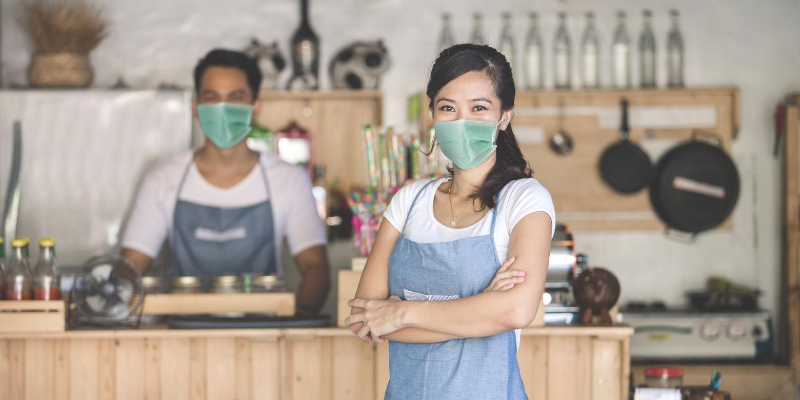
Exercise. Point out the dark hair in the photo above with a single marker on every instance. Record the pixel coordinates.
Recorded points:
(230, 59)
(460, 59)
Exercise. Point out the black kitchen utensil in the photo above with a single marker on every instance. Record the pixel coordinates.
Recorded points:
(695, 185)
(624, 166)
(561, 141)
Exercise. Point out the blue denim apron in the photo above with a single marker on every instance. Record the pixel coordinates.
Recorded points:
(471, 368)
(211, 241)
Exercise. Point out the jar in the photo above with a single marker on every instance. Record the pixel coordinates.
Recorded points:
(187, 284)
(226, 284)
(152, 285)
(268, 284)
(664, 378)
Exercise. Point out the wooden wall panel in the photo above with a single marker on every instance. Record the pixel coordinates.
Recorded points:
(532, 358)
(63, 374)
(583, 201)
(220, 367)
(334, 121)
(297, 365)
(172, 366)
(197, 369)
(84, 357)
(267, 369)
(130, 369)
(607, 370)
(39, 369)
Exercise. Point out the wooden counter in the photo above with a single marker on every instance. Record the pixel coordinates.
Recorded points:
(557, 362)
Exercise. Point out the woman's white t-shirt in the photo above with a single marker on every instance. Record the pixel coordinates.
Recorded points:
(518, 199)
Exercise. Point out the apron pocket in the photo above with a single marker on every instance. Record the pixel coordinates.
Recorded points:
(442, 351)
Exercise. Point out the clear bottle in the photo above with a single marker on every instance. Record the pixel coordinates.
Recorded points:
(647, 53)
(18, 276)
(621, 55)
(534, 55)
(446, 39)
(46, 280)
(2, 269)
(675, 53)
(562, 55)
(590, 54)
(477, 30)
(507, 41)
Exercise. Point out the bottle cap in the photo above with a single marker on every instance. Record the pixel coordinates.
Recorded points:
(25, 239)
(2, 241)
(47, 242)
(18, 243)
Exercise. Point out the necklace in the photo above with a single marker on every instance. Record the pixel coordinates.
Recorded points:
(450, 200)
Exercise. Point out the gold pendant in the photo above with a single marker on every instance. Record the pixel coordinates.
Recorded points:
(453, 222)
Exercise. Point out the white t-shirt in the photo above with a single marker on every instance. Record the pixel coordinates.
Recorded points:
(293, 206)
(518, 199)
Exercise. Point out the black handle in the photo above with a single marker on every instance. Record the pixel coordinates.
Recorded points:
(624, 128)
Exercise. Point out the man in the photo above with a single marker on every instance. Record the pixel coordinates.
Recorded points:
(225, 208)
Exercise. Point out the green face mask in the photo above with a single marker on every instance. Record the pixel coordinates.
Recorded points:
(225, 124)
(467, 142)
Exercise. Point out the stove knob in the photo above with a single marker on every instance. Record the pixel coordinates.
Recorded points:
(736, 332)
(710, 332)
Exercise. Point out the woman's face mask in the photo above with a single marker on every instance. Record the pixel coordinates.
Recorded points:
(467, 142)
(225, 124)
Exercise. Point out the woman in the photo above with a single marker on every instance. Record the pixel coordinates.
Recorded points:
(454, 314)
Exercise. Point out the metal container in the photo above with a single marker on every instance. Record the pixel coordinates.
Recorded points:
(152, 285)
(563, 260)
(187, 284)
(226, 284)
(267, 284)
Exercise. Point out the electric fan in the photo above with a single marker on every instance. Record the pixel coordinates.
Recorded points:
(107, 292)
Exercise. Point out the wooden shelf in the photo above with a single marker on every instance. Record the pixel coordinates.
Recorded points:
(659, 119)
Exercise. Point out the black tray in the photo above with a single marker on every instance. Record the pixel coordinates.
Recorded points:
(246, 322)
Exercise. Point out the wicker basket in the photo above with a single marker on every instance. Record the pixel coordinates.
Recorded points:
(60, 70)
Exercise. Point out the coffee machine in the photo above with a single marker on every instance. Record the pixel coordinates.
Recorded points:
(565, 264)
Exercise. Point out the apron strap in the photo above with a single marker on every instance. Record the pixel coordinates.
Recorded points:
(414, 203)
(494, 210)
(183, 177)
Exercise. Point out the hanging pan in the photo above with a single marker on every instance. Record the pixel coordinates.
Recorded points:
(624, 166)
(695, 185)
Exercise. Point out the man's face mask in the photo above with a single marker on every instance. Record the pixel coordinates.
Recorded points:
(467, 142)
(225, 124)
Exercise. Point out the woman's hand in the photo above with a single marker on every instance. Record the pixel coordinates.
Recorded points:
(506, 278)
(380, 317)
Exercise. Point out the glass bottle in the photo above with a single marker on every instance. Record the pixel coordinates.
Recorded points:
(647, 53)
(621, 55)
(590, 54)
(562, 54)
(46, 280)
(507, 41)
(675, 53)
(477, 30)
(2, 269)
(534, 55)
(305, 54)
(446, 39)
(18, 276)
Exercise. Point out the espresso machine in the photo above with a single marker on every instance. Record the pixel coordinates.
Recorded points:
(565, 264)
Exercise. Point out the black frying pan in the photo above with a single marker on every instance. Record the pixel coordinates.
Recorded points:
(624, 166)
(695, 185)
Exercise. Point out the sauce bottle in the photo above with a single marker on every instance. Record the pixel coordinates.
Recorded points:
(18, 276)
(46, 281)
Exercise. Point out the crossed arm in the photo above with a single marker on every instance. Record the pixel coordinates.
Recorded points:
(374, 317)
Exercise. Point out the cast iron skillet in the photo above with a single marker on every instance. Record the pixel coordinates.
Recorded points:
(695, 185)
(624, 166)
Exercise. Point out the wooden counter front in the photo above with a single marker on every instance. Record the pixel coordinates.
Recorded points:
(557, 362)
